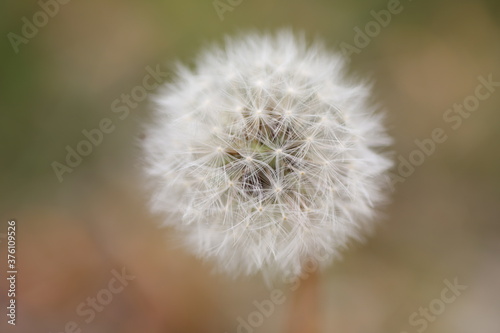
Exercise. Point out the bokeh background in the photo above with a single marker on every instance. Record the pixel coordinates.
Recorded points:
(442, 224)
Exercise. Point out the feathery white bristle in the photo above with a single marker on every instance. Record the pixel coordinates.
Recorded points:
(267, 154)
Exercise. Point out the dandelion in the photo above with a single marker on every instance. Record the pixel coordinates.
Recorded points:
(266, 154)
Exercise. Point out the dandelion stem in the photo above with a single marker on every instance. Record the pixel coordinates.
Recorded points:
(304, 313)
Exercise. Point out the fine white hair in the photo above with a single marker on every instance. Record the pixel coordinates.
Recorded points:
(265, 154)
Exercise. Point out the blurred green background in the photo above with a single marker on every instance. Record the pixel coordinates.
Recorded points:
(443, 222)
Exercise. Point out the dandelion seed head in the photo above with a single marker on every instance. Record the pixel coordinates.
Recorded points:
(267, 154)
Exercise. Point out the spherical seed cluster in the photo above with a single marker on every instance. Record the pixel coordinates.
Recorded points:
(267, 154)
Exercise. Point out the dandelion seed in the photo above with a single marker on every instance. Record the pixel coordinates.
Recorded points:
(281, 159)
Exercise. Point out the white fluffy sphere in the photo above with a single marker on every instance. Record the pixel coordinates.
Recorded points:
(267, 155)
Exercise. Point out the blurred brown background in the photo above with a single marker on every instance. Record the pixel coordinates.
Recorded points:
(443, 223)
